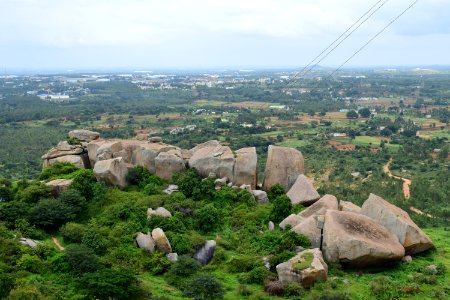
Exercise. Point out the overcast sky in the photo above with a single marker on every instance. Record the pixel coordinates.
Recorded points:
(77, 34)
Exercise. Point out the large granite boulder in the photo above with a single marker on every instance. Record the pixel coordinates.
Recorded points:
(212, 157)
(349, 206)
(63, 149)
(309, 228)
(283, 166)
(303, 192)
(305, 268)
(206, 253)
(169, 163)
(84, 135)
(260, 196)
(398, 222)
(160, 211)
(357, 240)
(112, 171)
(245, 167)
(161, 241)
(145, 155)
(77, 160)
(145, 241)
(327, 202)
(59, 185)
(106, 147)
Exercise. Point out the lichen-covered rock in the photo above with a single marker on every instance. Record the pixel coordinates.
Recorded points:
(303, 192)
(283, 166)
(145, 241)
(84, 135)
(161, 241)
(305, 268)
(349, 206)
(169, 163)
(245, 167)
(160, 211)
(357, 240)
(398, 222)
(112, 171)
(206, 253)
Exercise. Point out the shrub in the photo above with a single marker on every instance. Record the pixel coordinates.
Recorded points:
(30, 263)
(282, 207)
(208, 218)
(294, 289)
(173, 224)
(238, 264)
(73, 199)
(152, 189)
(25, 292)
(244, 196)
(137, 175)
(187, 181)
(278, 258)
(109, 284)
(244, 290)
(33, 193)
(204, 287)
(291, 240)
(7, 282)
(275, 191)
(12, 211)
(182, 270)
(158, 263)
(85, 182)
(204, 190)
(73, 232)
(384, 288)
(58, 169)
(51, 214)
(93, 239)
(6, 193)
(274, 288)
(256, 276)
(81, 258)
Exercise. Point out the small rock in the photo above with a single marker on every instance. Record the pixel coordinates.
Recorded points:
(171, 189)
(219, 183)
(162, 243)
(206, 253)
(160, 211)
(407, 259)
(260, 196)
(28, 242)
(271, 226)
(246, 187)
(266, 262)
(173, 257)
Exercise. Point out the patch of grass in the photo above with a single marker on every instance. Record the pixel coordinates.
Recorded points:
(304, 262)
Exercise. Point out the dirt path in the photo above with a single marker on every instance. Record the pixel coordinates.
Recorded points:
(56, 242)
(406, 182)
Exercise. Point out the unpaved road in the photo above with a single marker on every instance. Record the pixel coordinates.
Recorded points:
(56, 242)
(406, 182)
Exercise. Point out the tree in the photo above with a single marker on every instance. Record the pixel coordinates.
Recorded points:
(51, 213)
(282, 207)
(82, 258)
(352, 114)
(74, 200)
(204, 287)
(208, 218)
(364, 112)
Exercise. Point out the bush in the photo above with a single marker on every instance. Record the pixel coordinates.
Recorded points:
(187, 181)
(204, 190)
(10, 212)
(94, 240)
(282, 207)
(30, 263)
(256, 276)
(238, 264)
(294, 289)
(25, 292)
(57, 170)
(85, 182)
(6, 193)
(81, 258)
(173, 224)
(109, 284)
(244, 196)
(204, 287)
(152, 189)
(158, 263)
(384, 288)
(73, 199)
(137, 176)
(33, 193)
(275, 191)
(51, 214)
(7, 282)
(274, 288)
(290, 240)
(73, 232)
(278, 258)
(244, 290)
(208, 218)
(182, 270)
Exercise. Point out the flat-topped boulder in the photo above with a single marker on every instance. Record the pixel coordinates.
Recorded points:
(303, 192)
(305, 268)
(357, 240)
(212, 157)
(245, 167)
(283, 166)
(84, 135)
(398, 222)
(112, 171)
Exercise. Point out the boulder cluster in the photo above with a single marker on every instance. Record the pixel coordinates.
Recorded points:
(339, 231)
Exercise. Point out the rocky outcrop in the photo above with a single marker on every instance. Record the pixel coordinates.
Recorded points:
(349, 206)
(206, 253)
(303, 192)
(160, 211)
(306, 268)
(169, 163)
(64, 152)
(59, 185)
(212, 157)
(146, 242)
(357, 240)
(283, 166)
(112, 171)
(84, 135)
(161, 241)
(398, 222)
(245, 167)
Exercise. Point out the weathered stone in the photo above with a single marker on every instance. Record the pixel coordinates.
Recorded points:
(160, 211)
(173, 257)
(245, 167)
(106, 147)
(213, 157)
(171, 189)
(357, 240)
(59, 185)
(407, 259)
(219, 183)
(107, 150)
(84, 135)
(349, 206)
(169, 163)
(260, 196)
(291, 220)
(303, 192)
(161, 241)
(271, 226)
(145, 241)
(309, 228)
(155, 139)
(246, 187)
(28, 242)
(283, 166)
(398, 222)
(206, 253)
(306, 268)
(63, 149)
(76, 160)
(111, 171)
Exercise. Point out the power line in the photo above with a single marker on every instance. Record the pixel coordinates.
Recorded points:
(348, 29)
(375, 36)
(346, 37)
